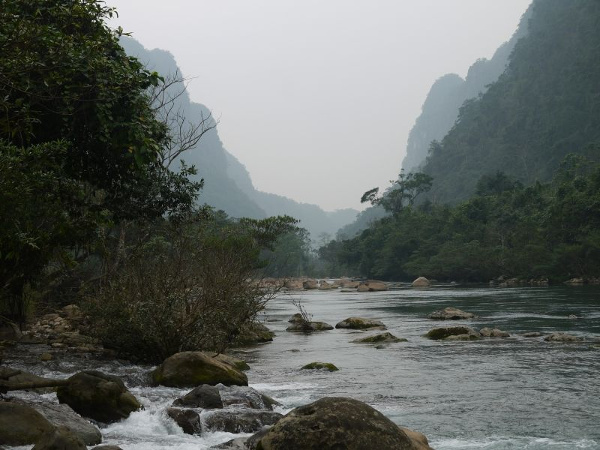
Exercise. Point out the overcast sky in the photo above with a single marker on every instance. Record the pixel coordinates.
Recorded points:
(317, 97)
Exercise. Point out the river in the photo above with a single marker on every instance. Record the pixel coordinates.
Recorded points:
(495, 393)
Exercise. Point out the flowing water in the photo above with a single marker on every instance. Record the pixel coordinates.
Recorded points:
(502, 393)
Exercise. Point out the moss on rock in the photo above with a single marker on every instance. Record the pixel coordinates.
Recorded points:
(321, 366)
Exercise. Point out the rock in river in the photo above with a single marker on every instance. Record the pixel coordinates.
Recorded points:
(98, 396)
(335, 423)
(320, 366)
(379, 339)
(450, 313)
(195, 368)
(21, 425)
(61, 438)
(453, 333)
(360, 323)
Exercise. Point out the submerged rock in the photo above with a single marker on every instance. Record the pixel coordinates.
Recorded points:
(450, 313)
(379, 339)
(562, 337)
(307, 327)
(335, 423)
(187, 419)
(240, 421)
(493, 332)
(360, 323)
(194, 369)
(453, 333)
(320, 365)
(61, 438)
(98, 396)
(246, 397)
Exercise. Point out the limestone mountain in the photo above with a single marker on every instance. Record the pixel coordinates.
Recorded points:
(227, 184)
(544, 106)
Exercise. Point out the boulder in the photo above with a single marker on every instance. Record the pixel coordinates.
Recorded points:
(450, 313)
(532, 334)
(254, 333)
(419, 440)
(379, 339)
(562, 337)
(247, 397)
(21, 425)
(240, 421)
(204, 396)
(421, 282)
(335, 423)
(453, 333)
(372, 286)
(188, 369)
(307, 327)
(238, 363)
(325, 286)
(64, 416)
(493, 332)
(348, 283)
(320, 366)
(61, 438)
(187, 419)
(575, 281)
(293, 285)
(310, 284)
(98, 396)
(360, 323)
(9, 331)
(296, 318)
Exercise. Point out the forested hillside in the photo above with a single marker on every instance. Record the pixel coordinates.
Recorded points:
(227, 183)
(545, 105)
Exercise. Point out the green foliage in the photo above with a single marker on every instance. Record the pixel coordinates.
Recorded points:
(543, 231)
(543, 107)
(403, 192)
(185, 285)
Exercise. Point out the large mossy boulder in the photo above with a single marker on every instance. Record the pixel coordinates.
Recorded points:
(189, 369)
(21, 425)
(360, 323)
(98, 396)
(382, 338)
(335, 423)
(453, 333)
(450, 313)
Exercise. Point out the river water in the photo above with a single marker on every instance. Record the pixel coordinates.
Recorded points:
(503, 393)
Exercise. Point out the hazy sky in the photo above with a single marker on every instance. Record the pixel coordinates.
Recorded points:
(317, 97)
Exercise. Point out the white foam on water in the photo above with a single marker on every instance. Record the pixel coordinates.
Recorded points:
(512, 443)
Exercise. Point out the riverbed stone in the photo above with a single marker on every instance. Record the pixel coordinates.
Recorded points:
(252, 334)
(204, 396)
(239, 421)
(246, 397)
(238, 363)
(310, 284)
(421, 282)
(450, 313)
(21, 424)
(493, 332)
(98, 396)
(379, 339)
(453, 333)
(419, 440)
(320, 366)
(61, 438)
(372, 286)
(187, 419)
(360, 323)
(562, 337)
(335, 423)
(307, 327)
(62, 415)
(187, 369)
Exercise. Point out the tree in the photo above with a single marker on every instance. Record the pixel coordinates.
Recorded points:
(403, 191)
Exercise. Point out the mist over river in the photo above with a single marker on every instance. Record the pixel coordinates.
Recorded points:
(494, 393)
